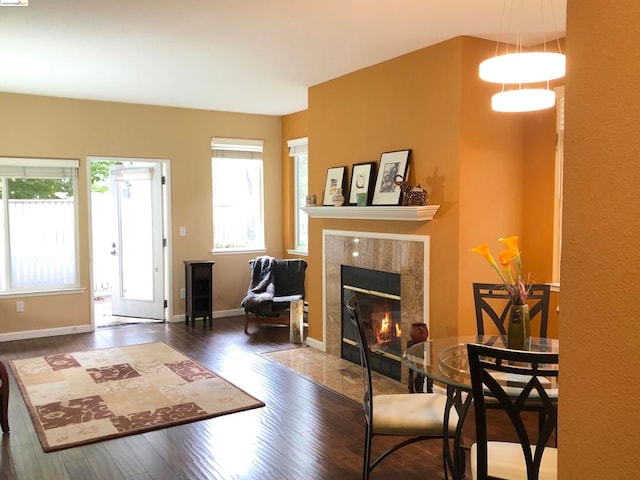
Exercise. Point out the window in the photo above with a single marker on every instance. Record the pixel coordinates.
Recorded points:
(39, 224)
(557, 230)
(298, 149)
(238, 219)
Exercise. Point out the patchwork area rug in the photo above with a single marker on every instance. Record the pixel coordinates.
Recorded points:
(83, 397)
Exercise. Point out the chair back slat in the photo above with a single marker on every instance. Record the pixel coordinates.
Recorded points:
(353, 311)
(513, 378)
(492, 301)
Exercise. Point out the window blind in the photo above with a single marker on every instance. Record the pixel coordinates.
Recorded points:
(38, 168)
(241, 149)
(298, 146)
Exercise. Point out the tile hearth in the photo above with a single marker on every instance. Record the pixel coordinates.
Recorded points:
(332, 372)
(339, 375)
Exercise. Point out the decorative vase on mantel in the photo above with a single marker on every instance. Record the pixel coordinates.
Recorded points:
(519, 328)
(337, 198)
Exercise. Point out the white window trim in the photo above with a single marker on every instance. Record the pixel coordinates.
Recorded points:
(227, 148)
(297, 146)
(43, 168)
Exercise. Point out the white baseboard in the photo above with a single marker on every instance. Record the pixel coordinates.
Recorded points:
(217, 314)
(228, 313)
(317, 344)
(54, 332)
(47, 332)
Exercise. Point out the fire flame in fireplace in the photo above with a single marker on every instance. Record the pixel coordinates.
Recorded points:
(384, 333)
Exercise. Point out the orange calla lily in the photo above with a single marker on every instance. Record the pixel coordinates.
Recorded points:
(512, 244)
(505, 258)
(483, 251)
(512, 280)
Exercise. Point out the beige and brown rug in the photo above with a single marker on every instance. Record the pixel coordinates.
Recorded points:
(83, 397)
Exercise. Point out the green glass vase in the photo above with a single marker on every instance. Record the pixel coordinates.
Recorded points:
(519, 328)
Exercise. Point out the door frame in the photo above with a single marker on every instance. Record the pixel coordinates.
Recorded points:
(165, 165)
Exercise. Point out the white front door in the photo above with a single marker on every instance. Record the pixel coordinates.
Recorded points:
(138, 247)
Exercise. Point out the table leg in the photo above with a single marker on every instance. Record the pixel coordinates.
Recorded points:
(415, 381)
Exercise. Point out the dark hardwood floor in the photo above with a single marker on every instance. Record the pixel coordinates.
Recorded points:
(304, 432)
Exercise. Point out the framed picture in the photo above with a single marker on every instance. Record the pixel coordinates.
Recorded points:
(392, 164)
(362, 178)
(335, 180)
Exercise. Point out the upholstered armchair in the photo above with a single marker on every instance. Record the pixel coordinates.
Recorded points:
(274, 285)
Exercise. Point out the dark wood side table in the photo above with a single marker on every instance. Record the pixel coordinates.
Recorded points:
(199, 291)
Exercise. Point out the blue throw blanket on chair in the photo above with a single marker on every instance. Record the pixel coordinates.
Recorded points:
(259, 297)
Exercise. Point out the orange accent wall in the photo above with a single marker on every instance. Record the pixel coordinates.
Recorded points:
(471, 159)
(491, 179)
(599, 413)
(539, 192)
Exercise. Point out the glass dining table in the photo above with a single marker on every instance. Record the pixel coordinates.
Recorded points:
(445, 361)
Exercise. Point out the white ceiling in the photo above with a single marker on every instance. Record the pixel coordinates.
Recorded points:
(253, 56)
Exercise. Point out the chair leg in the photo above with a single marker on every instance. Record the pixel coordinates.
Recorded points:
(429, 385)
(246, 323)
(4, 394)
(366, 470)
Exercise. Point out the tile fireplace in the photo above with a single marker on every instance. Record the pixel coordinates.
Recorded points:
(398, 257)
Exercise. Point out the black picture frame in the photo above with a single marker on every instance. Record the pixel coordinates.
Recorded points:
(336, 178)
(362, 181)
(386, 192)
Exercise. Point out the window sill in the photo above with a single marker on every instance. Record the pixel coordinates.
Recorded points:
(41, 293)
(304, 253)
(238, 252)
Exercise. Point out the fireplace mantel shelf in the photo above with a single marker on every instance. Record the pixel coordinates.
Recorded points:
(410, 214)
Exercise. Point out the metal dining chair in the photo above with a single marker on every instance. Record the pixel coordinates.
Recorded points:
(492, 303)
(417, 417)
(531, 457)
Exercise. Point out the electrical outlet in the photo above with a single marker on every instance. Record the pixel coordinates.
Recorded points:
(19, 306)
(182, 231)
(183, 293)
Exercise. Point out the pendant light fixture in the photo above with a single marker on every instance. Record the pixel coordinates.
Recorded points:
(523, 67)
(523, 100)
(517, 66)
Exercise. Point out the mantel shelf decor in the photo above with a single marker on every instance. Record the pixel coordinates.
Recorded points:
(408, 214)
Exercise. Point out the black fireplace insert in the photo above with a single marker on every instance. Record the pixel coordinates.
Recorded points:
(378, 295)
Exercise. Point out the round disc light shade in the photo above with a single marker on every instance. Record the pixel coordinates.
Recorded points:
(524, 67)
(523, 100)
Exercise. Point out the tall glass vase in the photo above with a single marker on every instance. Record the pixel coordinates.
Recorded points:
(519, 328)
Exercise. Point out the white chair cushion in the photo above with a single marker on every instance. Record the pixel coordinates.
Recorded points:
(411, 414)
(506, 460)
